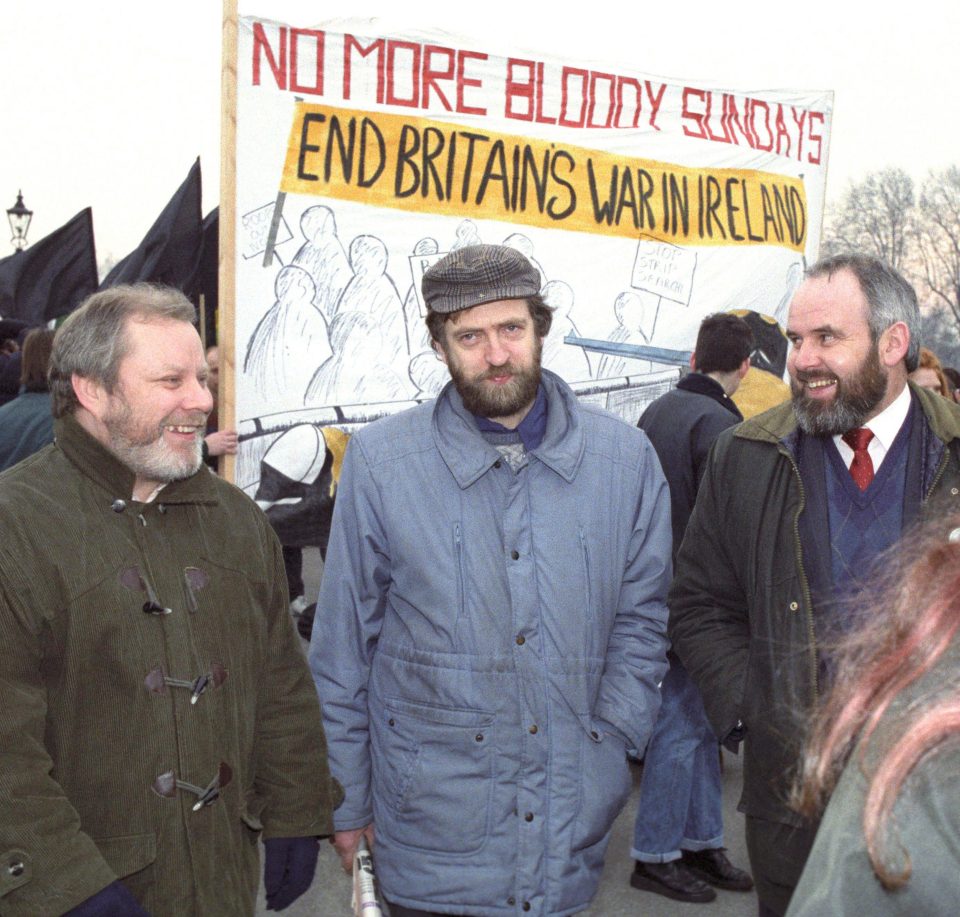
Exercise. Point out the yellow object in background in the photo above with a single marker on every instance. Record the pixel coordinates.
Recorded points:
(759, 391)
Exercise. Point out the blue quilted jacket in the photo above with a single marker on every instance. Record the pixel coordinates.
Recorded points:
(486, 643)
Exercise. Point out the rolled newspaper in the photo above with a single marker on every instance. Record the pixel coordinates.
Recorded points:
(364, 902)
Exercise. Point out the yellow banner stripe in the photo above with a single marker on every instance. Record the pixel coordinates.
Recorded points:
(420, 165)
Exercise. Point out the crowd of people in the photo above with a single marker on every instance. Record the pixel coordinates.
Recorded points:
(521, 592)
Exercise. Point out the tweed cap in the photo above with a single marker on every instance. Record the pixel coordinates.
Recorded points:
(477, 274)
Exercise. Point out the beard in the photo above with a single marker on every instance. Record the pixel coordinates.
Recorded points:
(142, 448)
(852, 404)
(489, 400)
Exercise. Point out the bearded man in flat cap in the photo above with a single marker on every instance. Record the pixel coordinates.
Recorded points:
(490, 630)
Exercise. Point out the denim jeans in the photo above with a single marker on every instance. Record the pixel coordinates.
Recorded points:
(680, 802)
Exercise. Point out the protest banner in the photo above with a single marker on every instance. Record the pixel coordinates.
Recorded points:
(364, 156)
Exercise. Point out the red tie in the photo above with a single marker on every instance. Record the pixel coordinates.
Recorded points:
(861, 468)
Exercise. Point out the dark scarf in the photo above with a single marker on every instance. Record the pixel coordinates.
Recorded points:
(531, 429)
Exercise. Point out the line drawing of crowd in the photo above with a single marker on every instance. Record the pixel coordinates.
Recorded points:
(340, 331)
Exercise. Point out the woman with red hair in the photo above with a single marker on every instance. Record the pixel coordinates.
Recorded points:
(885, 749)
(929, 373)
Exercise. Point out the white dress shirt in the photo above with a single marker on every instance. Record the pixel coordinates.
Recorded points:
(885, 427)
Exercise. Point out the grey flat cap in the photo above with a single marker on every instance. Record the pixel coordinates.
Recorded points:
(477, 274)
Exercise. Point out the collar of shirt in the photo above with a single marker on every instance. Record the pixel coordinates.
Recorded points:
(531, 429)
(885, 426)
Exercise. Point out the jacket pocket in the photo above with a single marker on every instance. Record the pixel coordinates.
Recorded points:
(128, 854)
(433, 775)
(604, 786)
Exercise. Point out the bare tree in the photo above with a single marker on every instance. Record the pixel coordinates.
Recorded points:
(938, 239)
(940, 335)
(875, 216)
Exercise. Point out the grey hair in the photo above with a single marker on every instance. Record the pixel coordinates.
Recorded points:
(92, 341)
(890, 297)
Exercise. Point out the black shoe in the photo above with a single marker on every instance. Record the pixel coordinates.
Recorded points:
(713, 866)
(672, 880)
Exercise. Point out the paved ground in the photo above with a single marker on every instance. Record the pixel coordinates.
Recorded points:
(330, 894)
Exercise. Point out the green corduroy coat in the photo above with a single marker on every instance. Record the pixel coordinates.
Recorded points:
(102, 601)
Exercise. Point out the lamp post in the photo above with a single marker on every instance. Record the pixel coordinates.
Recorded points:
(19, 217)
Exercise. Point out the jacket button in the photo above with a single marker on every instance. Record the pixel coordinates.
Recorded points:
(511, 901)
(16, 868)
(479, 737)
(153, 608)
(391, 722)
(521, 639)
(526, 905)
(515, 555)
(528, 816)
(497, 464)
(534, 730)
(794, 606)
(594, 735)
(118, 506)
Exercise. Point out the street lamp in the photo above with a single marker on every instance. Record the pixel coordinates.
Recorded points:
(19, 217)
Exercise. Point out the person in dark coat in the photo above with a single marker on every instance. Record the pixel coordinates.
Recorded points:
(793, 510)
(678, 835)
(26, 423)
(12, 334)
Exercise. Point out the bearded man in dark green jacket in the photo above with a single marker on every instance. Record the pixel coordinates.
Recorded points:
(156, 712)
(788, 520)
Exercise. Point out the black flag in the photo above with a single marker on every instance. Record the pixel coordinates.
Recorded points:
(170, 251)
(51, 277)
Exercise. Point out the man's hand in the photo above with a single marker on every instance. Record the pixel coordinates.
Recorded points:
(222, 442)
(288, 869)
(345, 843)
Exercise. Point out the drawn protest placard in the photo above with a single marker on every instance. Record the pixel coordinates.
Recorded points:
(665, 270)
(644, 204)
(255, 234)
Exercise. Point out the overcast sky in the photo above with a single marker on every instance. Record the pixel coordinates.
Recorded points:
(107, 104)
